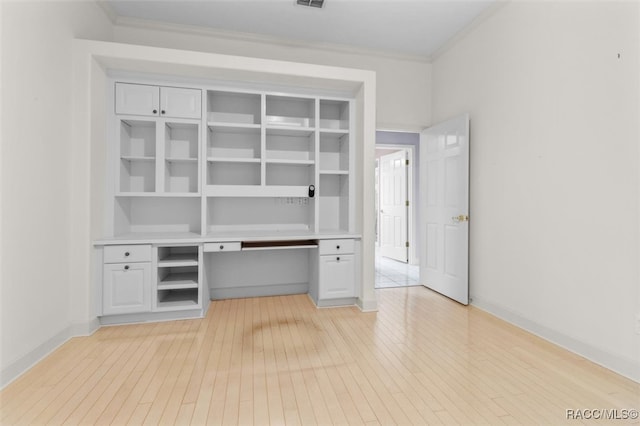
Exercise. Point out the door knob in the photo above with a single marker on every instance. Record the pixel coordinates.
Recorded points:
(461, 218)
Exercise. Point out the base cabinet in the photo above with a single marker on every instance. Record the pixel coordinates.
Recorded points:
(336, 269)
(337, 277)
(126, 288)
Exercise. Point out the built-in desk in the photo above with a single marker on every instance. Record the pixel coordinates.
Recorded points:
(322, 267)
(165, 277)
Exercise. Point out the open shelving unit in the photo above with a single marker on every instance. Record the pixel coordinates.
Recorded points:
(178, 278)
(250, 163)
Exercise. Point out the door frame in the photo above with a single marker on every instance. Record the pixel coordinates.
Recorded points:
(413, 208)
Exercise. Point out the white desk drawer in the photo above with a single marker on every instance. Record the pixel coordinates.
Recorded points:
(336, 246)
(222, 246)
(128, 253)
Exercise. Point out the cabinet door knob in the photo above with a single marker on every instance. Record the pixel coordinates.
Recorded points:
(155, 111)
(337, 259)
(126, 267)
(337, 247)
(162, 112)
(126, 254)
(221, 247)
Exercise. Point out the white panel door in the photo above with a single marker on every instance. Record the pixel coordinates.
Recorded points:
(137, 99)
(444, 179)
(180, 103)
(394, 211)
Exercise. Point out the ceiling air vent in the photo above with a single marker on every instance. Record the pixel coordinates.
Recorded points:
(311, 3)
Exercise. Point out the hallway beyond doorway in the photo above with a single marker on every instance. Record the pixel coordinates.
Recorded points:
(391, 273)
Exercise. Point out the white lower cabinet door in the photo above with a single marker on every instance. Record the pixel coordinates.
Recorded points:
(126, 288)
(337, 277)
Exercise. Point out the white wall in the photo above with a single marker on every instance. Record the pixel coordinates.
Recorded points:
(403, 85)
(554, 169)
(36, 162)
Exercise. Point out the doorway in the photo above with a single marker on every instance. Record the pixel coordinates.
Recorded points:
(396, 207)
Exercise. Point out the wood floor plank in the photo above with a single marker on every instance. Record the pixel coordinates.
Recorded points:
(421, 359)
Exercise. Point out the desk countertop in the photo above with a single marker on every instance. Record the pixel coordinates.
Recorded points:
(193, 238)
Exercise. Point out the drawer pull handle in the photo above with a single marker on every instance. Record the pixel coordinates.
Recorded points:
(155, 111)
(126, 267)
(221, 247)
(337, 247)
(126, 254)
(337, 259)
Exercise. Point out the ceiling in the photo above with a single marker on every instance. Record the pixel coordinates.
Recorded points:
(410, 27)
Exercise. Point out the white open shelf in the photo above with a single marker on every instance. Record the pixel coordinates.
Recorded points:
(137, 158)
(334, 203)
(175, 299)
(233, 142)
(233, 173)
(233, 108)
(180, 259)
(268, 214)
(334, 152)
(233, 160)
(179, 281)
(137, 152)
(156, 215)
(334, 115)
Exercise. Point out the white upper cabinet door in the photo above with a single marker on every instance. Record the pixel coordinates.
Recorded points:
(137, 99)
(180, 103)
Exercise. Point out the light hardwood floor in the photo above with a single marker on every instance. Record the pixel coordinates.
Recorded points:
(422, 359)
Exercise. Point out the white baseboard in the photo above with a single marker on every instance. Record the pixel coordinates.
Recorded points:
(26, 362)
(626, 367)
(367, 305)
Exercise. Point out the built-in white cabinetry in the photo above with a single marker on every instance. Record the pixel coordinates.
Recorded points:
(150, 100)
(336, 269)
(126, 280)
(201, 177)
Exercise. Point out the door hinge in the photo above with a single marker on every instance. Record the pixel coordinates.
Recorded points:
(406, 162)
(407, 203)
(406, 244)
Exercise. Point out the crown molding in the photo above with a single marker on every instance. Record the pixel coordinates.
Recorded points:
(108, 10)
(137, 23)
(486, 14)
